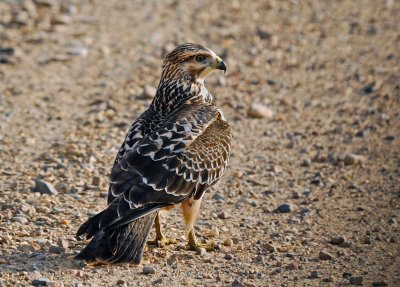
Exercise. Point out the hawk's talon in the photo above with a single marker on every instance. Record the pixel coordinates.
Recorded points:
(162, 242)
(209, 246)
(195, 246)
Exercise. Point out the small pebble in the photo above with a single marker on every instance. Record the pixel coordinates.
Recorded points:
(367, 239)
(228, 256)
(96, 180)
(380, 283)
(158, 281)
(337, 240)
(224, 215)
(25, 247)
(314, 275)
(78, 51)
(356, 280)
(237, 283)
(284, 208)
(270, 247)
(260, 111)
(228, 242)
(218, 197)
(352, 159)
(120, 282)
(56, 249)
(291, 266)
(149, 270)
(323, 255)
(20, 219)
(61, 20)
(149, 92)
(214, 232)
(201, 251)
(329, 279)
(306, 162)
(62, 243)
(44, 187)
(40, 281)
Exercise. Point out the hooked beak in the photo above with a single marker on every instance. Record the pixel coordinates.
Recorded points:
(220, 65)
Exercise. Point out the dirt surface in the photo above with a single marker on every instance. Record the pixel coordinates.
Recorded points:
(312, 92)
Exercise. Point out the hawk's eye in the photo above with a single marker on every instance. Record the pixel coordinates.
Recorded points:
(200, 59)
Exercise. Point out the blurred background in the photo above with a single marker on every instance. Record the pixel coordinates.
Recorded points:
(312, 92)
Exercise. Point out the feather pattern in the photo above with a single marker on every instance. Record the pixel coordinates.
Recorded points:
(174, 151)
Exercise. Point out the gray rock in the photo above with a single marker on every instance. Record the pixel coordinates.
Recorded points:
(284, 208)
(42, 281)
(323, 255)
(329, 279)
(57, 249)
(149, 270)
(352, 159)
(62, 243)
(218, 197)
(237, 283)
(229, 256)
(40, 257)
(202, 251)
(26, 248)
(224, 215)
(356, 280)
(306, 162)
(10, 55)
(44, 187)
(314, 275)
(20, 219)
(78, 51)
(337, 240)
(380, 283)
(367, 239)
(158, 281)
(270, 247)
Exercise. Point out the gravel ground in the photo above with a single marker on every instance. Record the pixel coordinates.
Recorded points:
(311, 196)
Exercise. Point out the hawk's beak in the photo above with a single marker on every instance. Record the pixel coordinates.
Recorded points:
(220, 65)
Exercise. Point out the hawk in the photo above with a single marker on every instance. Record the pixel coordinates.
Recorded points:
(172, 154)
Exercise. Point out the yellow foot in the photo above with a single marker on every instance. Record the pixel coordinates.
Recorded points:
(195, 246)
(162, 242)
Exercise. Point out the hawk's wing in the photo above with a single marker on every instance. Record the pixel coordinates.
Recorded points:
(175, 161)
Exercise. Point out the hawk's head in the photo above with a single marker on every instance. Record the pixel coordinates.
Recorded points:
(192, 62)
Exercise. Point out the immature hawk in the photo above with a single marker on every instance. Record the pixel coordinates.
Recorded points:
(172, 153)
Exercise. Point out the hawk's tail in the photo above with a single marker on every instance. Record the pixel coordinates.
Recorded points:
(122, 244)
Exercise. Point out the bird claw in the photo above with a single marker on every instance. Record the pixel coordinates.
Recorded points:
(195, 246)
(162, 242)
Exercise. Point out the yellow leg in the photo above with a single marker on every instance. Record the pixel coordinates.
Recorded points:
(160, 239)
(190, 210)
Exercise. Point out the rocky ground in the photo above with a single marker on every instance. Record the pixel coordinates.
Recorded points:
(311, 196)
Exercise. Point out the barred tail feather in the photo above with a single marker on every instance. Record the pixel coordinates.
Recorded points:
(123, 244)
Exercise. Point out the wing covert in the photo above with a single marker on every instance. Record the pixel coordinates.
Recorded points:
(175, 161)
